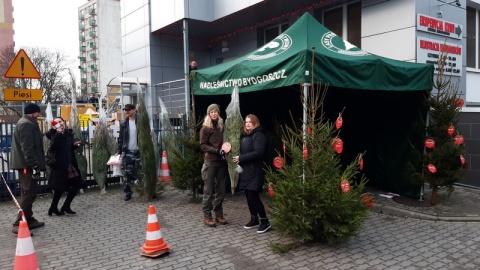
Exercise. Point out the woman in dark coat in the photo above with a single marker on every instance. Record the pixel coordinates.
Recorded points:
(63, 145)
(252, 154)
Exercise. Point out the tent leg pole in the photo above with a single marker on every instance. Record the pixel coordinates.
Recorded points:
(305, 119)
(422, 188)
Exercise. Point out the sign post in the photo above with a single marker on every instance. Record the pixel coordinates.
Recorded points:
(22, 68)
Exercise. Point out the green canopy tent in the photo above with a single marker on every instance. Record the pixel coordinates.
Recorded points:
(381, 122)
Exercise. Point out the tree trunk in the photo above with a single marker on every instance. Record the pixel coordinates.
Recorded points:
(434, 197)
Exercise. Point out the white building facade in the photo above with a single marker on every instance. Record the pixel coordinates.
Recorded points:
(154, 47)
(100, 47)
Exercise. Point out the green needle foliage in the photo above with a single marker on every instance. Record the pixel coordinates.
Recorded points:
(309, 204)
(74, 124)
(445, 156)
(101, 151)
(185, 159)
(147, 152)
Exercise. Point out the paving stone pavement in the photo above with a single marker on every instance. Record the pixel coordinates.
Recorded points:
(107, 233)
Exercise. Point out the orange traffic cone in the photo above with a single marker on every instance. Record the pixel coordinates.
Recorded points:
(25, 258)
(154, 245)
(164, 170)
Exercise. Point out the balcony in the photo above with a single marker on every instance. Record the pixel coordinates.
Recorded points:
(92, 33)
(93, 67)
(93, 56)
(91, 11)
(93, 45)
(83, 80)
(81, 16)
(82, 70)
(92, 22)
(82, 48)
(94, 88)
(82, 59)
(81, 38)
(81, 27)
(94, 78)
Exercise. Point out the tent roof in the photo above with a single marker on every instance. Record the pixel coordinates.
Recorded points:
(287, 60)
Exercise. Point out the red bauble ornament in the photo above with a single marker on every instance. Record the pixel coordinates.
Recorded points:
(431, 168)
(309, 130)
(278, 162)
(345, 185)
(451, 130)
(339, 122)
(458, 139)
(337, 145)
(360, 162)
(367, 200)
(271, 192)
(462, 159)
(305, 152)
(459, 102)
(429, 143)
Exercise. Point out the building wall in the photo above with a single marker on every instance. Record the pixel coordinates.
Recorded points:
(168, 11)
(6, 23)
(102, 18)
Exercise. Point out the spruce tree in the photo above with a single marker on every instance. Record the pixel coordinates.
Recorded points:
(443, 158)
(308, 201)
(185, 159)
(151, 184)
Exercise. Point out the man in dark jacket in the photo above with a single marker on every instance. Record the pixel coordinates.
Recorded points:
(128, 146)
(28, 158)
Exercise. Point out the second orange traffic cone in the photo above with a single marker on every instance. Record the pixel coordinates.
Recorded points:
(154, 245)
(25, 258)
(164, 170)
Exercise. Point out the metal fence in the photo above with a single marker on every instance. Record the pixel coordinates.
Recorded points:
(11, 176)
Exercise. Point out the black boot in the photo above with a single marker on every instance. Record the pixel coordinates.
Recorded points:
(68, 201)
(253, 223)
(264, 225)
(57, 194)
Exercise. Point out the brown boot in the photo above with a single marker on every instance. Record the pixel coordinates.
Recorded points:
(221, 220)
(209, 222)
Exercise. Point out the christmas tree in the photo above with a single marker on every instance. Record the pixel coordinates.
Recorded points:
(442, 162)
(151, 185)
(315, 198)
(186, 159)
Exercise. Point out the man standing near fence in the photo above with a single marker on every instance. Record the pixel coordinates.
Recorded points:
(28, 158)
(128, 145)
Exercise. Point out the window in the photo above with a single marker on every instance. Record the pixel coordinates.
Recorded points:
(473, 26)
(345, 21)
(273, 32)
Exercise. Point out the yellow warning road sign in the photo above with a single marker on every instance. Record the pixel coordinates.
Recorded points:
(22, 67)
(22, 94)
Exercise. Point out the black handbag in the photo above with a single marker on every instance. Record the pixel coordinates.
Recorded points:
(50, 159)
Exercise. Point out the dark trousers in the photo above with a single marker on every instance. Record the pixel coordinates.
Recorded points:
(255, 204)
(130, 169)
(214, 177)
(29, 189)
(57, 194)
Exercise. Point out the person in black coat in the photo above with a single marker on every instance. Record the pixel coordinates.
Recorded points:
(251, 159)
(65, 175)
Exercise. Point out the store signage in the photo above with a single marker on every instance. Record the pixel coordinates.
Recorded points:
(439, 27)
(429, 50)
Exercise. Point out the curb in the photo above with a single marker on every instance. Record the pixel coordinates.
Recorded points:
(405, 213)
